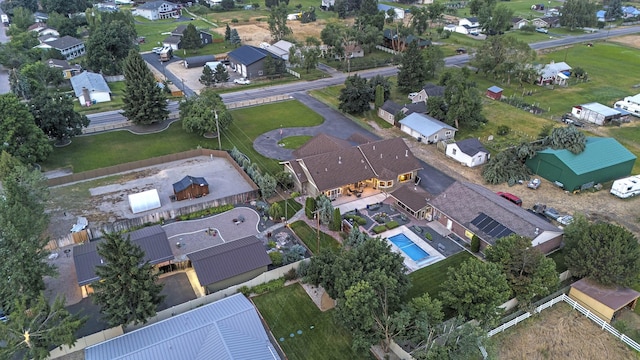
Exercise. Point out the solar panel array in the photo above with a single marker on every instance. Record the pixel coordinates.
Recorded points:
(490, 226)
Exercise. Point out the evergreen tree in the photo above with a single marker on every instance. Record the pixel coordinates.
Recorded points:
(269, 66)
(191, 38)
(207, 78)
(413, 71)
(336, 222)
(227, 33)
(144, 102)
(221, 75)
(309, 207)
(128, 291)
(235, 38)
(355, 96)
(384, 82)
(379, 96)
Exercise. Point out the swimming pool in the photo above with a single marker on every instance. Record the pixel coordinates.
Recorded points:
(409, 247)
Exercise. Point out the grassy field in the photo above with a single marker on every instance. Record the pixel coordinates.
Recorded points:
(429, 279)
(309, 237)
(294, 142)
(117, 93)
(306, 332)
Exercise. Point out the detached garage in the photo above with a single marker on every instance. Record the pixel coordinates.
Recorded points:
(605, 302)
(604, 159)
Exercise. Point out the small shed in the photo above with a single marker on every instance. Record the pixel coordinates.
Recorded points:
(605, 302)
(469, 152)
(190, 187)
(198, 61)
(494, 93)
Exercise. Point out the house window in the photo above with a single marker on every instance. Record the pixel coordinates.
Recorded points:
(447, 133)
(405, 177)
(454, 151)
(259, 72)
(435, 137)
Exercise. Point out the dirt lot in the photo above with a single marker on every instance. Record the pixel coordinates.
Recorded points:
(560, 333)
(630, 40)
(257, 32)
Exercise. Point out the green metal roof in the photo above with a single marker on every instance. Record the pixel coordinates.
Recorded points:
(599, 153)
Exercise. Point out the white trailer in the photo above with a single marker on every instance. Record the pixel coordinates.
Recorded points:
(627, 187)
(630, 104)
(5, 19)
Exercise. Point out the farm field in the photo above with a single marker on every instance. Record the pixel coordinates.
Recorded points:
(558, 333)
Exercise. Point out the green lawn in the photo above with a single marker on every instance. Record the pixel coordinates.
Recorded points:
(294, 142)
(117, 93)
(292, 207)
(309, 237)
(429, 279)
(306, 332)
(329, 96)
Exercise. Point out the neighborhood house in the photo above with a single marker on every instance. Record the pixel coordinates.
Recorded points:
(90, 88)
(248, 61)
(174, 41)
(425, 128)
(595, 113)
(157, 10)
(68, 46)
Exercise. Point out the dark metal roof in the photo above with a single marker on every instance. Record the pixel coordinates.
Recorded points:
(187, 181)
(471, 146)
(152, 240)
(172, 39)
(419, 107)
(230, 259)
(248, 55)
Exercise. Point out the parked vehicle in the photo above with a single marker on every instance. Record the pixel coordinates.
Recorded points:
(541, 216)
(5, 19)
(166, 54)
(242, 81)
(551, 213)
(534, 183)
(514, 199)
(157, 50)
(565, 220)
(627, 187)
(412, 95)
(542, 30)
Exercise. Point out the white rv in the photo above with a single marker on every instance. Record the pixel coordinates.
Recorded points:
(627, 187)
(630, 104)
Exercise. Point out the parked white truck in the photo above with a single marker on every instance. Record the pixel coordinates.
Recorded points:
(627, 187)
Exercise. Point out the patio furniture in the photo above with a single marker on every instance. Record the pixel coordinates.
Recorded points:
(417, 229)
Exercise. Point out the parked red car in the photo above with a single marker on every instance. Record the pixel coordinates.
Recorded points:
(514, 199)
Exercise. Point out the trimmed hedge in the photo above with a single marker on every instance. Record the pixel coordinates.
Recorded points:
(378, 229)
(357, 219)
(206, 212)
(392, 224)
(263, 288)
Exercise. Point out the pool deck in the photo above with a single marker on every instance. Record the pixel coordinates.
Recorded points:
(434, 255)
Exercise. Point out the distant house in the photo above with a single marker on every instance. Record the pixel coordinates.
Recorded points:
(40, 17)
(157, 10)
(248, 61)
(466, 26)
(229, 264)
(399, 12)
(517, 23)
(595, 113)
(428, 90)
(280, 49)
(326, 4)
(190, 187)
(68, 71)
(603, 301)
(547, 22)
(230, 328)
(90, 88)
(174, 41)
(68, 46)
(152, 240)
(604, 159)
(389, 110)
(630, 11)
(554, 73)
(494, 93)
(42, 29)
(469, 152)
(393, 41)
(426, 129)
(353, 51)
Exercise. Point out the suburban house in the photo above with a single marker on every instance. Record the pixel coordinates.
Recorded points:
(326, 4)
(229, 264)
(494, 93)
(157, 10)
(392, 40)
(427, 91)
(399, 12)
(174, 41)
(603, 301)
(248, 61)
(152, 240)
(466, 26)
(413, 199)
(90, 88)
(469, 152)
(389, 110)
(554, 73)
(427, 129)
(603, 159)
(42, 29)
(280, 49)
(630, 11)
(353, 51)
(595, 113)
(40, 17)
(547, 22)
(68, 71)
(226, 329)
(331, 166)
(190, 187)
(68, 46)
(468, 209)
(517, 23)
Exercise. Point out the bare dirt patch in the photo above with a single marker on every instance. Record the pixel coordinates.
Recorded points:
(560, 333)
(257, 32)
(629, 40)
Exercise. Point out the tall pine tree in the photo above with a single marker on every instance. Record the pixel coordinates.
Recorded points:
(144, 102)
(191, 38)
(128, 291)
(413, 69)
(206, 78)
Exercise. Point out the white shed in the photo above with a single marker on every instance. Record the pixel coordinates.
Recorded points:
(90, 88)
(146, 200)
(469, 152)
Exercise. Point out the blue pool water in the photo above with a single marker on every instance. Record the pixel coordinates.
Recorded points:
(409, 247)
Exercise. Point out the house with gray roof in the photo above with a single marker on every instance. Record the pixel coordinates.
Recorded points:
(90, 88)
(468, 152)
(468, 209)
(68, 46)
(229, 264)
(328, 166)
(152, 240)
(413, 199)
(427, 129)
(427, 91)
(390, 109)
(228, 329)
(248, 61)
(68, 71)
(174, 40)
(554, 73)
(157, 10)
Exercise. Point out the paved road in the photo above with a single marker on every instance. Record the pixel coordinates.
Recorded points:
(154, 60)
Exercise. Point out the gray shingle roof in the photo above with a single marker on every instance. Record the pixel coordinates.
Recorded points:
(412, 196)
(433, 89)
(225, 261)
(391, 107)
(91, 81)
(392, 155)
(228, 329)
(153, 5)
(65, 42)
(152, 240)
(172, 39)
(471, 146)
(322, 143)
(188, 181)
(419, 107)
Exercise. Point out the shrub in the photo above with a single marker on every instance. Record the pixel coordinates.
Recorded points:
(356, 219)
(302, 268)
(336, 223)
(295, 194)
(290, 275)
(392, 224)
(475, 244)
(503, 130)
(310, 207)
(295, 253)
(266, 287)
(271, 244)
(245, 290)
(428, 236)
(380, 219)
(276, 258)
(378, 229)
(234, 20)
(206, 212)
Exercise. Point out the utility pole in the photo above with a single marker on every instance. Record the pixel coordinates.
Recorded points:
(215, 112)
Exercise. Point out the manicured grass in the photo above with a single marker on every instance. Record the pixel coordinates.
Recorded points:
(294, 142)
(117, 93)
(630, 138)
(289, 310)
(558, 257)
(292, 207)
(309, 237)
(329, 96)
(429, 279)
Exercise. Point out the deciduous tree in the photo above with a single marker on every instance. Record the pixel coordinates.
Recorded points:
(22, 18)
(278, 22)
(198, 113)
(65, 6)
(578, 13)
(434, 61)
(144, 101)
(109, 45)
(9, 6)
(128, 291)
(19, 134)
(413, 70)
(54, 114)
(464, 104)
(355, 96)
